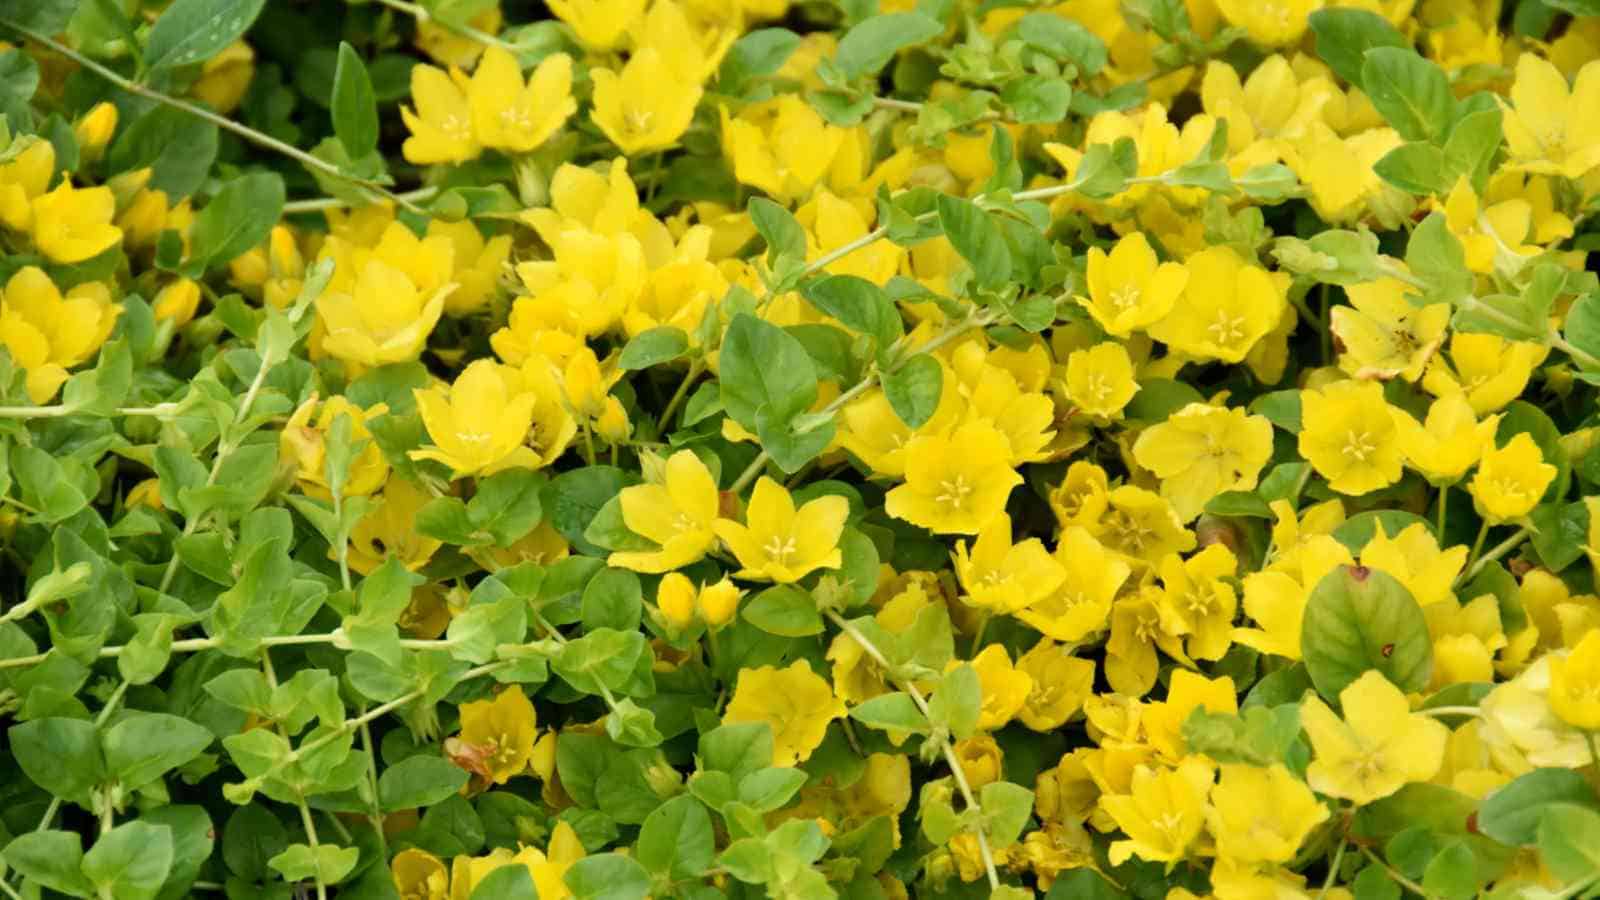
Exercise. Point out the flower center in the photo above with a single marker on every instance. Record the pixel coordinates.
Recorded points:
(1358, 445)
(953, 492)
(1226, 329)
(780, 549)
(1125, 297)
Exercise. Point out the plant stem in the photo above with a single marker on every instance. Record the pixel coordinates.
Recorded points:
(223, 122)
(1394, 873)
(320, 204)
(416, 11)
(1444, 497)
(696, 368)
(1501, 549)
(311, 839)
(1333, 867)
(194, 645)
(947, 749)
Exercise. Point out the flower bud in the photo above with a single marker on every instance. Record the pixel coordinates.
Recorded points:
(178, 301)
(980, 760)
(94, 131)
(675, 598)
(719, 602)
(612, 424)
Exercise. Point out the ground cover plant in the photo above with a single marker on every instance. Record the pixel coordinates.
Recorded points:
(847, 448)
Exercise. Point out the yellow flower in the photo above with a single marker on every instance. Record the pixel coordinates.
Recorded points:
(515, 117)
(47, 334)
(1082, 604)
(599, 24)
(305, 444)
(1510, 480)
(1384, 334)
(1448, 442)
(419, 875)
(1549, 128)
(25, 178)
(1228, 306)
(441, 124)
(644, 107)
(1270, 23)
(496, 739)
(1201, 451)
(389, 529)
(1080, 498)
(1522, 729)
(1061, 683)
(477, 269)
(1005, 687)
(449, 48)
(981, 760)
(955, 483)
(1163, 812)
(479, 423)
(1142, 525)
(1128, 288)
(1378, 748)
(1491, 235)
(1413, 557)
(1002, 577)
(1490, 371)
(782, 146)
(678, 515)
(1348, 435)
(796, 702)
(71, 224)
(385, 318)
(1100, 379)
(1187, 692)
(1261, 815)
(1196, 603)
(783, 544)
(692, 53)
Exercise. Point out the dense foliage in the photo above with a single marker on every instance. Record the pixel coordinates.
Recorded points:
(845, 448)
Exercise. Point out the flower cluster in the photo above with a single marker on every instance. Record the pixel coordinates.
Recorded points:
(735, 448)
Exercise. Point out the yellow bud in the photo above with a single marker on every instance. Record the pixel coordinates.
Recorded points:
(145, 493)
(675, 597)
(613, 424)
(585, 386)
(94, 131)
(719, 602)
(543, 760)
(178, 301)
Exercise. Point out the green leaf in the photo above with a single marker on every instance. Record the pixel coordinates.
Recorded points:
(1452, 873)
(193, 31)
(792, 442)
(354, 107)
(507, 505)
(957, 702)
(144, 746)
(418, 782)
(506, 883)
(653, 347)
(1258, 736)
(737, 748)
(475, 633)
(608, 876)
(45, 485)
(1561, 531)
(1511, 813)
(1582, 328)
(778, 227)
(1358, 619)
(1344, 36)
(1412, 93)
(130, 861)
(857, 303)
(1006, 807)
(1417, 168)
(768, 789)
(1158, 398)
(1358, 530)
(1435, 256)
(60, 755)
(784, 610)
(1063, 39)
(870, 45)
(913, 389)
(1084, 884)
(1471, 147)
(52, 859)
(892, 712)
(177, 147)
(759, 52)
(676, 839)
(252, 836)
(977, 238)
(613, 599)
(328, 862)
(46, 16)
(383, 596)
(1569, 842)
(764, 368)
(1037, 99)
(239, 217)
